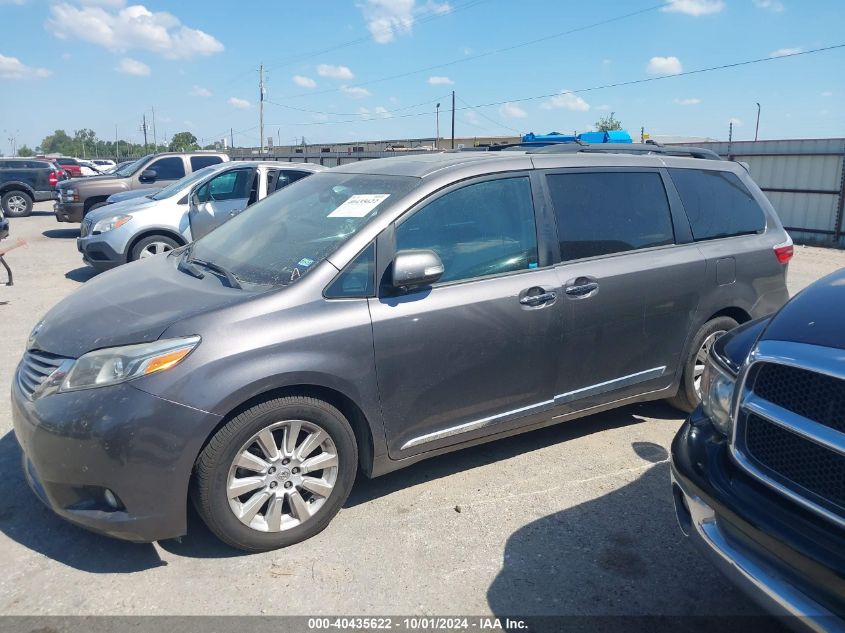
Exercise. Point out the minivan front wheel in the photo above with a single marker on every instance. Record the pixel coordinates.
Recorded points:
(276, 474)
(689, 391)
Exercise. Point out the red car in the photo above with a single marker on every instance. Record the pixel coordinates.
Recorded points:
(70, 165)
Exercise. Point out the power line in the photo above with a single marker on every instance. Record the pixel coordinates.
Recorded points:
(619, 84)
(496, 123)
(416, 105)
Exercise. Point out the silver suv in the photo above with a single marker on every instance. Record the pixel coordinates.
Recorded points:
(380, 313)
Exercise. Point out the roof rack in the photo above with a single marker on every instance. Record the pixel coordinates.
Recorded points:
(626, 148)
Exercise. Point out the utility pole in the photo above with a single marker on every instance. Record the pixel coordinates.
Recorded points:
(155, 139)
(261, 103)
(231, 138)
(116, 144)
(453, 119)
(731, 132)
(144, 129)
(642, 134)
(757, 129)
(437, 137)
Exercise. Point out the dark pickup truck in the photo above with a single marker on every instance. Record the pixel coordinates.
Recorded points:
(758, 470)
(27, 180)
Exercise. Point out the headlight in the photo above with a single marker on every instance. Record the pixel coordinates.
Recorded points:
(111, 222)
(119, 364)
(717, 389)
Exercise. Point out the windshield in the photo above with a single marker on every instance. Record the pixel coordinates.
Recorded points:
(278, 240)
(131, 168)
(174, 188)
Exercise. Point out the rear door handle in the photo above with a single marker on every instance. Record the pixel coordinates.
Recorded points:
(581, 290)
(536, 300)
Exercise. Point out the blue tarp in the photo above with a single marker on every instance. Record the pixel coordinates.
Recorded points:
(616, 136)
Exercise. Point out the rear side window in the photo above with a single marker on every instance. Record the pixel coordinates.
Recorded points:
(717, 204)
(481, 229)
(600, 213)
(198, 162)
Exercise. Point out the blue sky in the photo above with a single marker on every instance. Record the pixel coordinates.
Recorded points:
(334, 65)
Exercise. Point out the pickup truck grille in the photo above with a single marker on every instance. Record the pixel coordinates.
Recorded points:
(35, 367)
(790, 433)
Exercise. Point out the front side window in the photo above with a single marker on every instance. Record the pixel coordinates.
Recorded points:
(181, 184)
(170, 168)
(284, 236)
(600, 213)
(231, 185)
(481, 229)
(717, 204)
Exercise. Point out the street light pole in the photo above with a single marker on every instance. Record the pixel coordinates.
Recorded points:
(757, 129)
(437, 136)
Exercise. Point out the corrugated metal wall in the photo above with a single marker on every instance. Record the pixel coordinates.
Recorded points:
(802, 178)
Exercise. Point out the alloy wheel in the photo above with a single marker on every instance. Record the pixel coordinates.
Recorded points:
(701, 360)
(155, 248)
(16, 204)
(282, 476)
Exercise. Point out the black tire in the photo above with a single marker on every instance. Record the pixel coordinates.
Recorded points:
(211, 472)
(168, 242)
(96, 205)
(687, 397)
(12, 201)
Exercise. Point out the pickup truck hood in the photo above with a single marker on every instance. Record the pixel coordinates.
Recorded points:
(134, 303)
(814, 316)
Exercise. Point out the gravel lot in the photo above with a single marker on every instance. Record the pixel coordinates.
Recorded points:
(575, 519)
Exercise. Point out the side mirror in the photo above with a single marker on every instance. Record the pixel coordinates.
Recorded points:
(195, 199)
(412, 268)
(148, 175)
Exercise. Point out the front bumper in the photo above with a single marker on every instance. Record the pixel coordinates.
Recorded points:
(790, 561)
(102, 251)
(69, 211)
(141, 447)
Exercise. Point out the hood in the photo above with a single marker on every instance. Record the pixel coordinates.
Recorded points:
(134, 303)
(125, 206)
(814, 316)
(84, 181)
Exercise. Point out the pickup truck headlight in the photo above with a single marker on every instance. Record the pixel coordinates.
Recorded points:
(69, 195)
(114, 365)
(111, 222)
(717, 390)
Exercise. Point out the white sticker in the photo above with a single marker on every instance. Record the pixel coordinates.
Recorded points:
(359, 205)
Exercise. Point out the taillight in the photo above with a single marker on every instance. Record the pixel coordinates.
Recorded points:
(53, 178)
(784, 251)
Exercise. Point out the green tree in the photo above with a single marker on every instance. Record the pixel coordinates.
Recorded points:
(608, 123)
(23, 150)
(57, 143)
(183, 142)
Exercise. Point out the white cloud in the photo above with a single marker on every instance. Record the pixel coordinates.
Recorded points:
(783, 52)
(363, 111)
(736, 122)
(775, 6)
(388, 18)
(606, 62)
(440, 81)
(121, 29)
(240, 104)
(688, 101)
(512, 111)
(566, 101)
(664, 66)
(13, 68)
(827, 93)
(129, 66)
(602, 108)
(355, 92)
(304, 82)
(15, 2)
(199, 91)
(335, 72)
(472, 118)
(382, 112)
(694, 8)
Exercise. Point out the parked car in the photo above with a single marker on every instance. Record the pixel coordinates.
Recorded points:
(27, 180)
(380, 313)
(69, 165)
(103, 164)
(88, 168)
(181, 212)
(758, 471)
(78, 197)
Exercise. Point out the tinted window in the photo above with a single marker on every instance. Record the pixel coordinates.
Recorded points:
(357, 279)
(198, 162)
(481, 229)
(231, 185)
(610, 212)
(717, 204)
(171, 168)
(66, 161)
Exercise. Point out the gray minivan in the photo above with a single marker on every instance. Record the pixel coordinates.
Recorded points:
(380, 313)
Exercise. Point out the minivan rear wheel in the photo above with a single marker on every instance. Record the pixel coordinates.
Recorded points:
(276, 474)
(689, 391)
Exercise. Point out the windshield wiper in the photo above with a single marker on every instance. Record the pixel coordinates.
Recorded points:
(230, 277)
(186, 266)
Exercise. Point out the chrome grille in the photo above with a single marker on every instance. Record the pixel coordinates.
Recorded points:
(35, 367)
(790, 424)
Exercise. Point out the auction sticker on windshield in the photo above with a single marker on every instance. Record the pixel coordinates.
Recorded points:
(359, 205)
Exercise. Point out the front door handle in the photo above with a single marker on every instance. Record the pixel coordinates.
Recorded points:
(536, 300)
(234, 212)
(582, 289)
